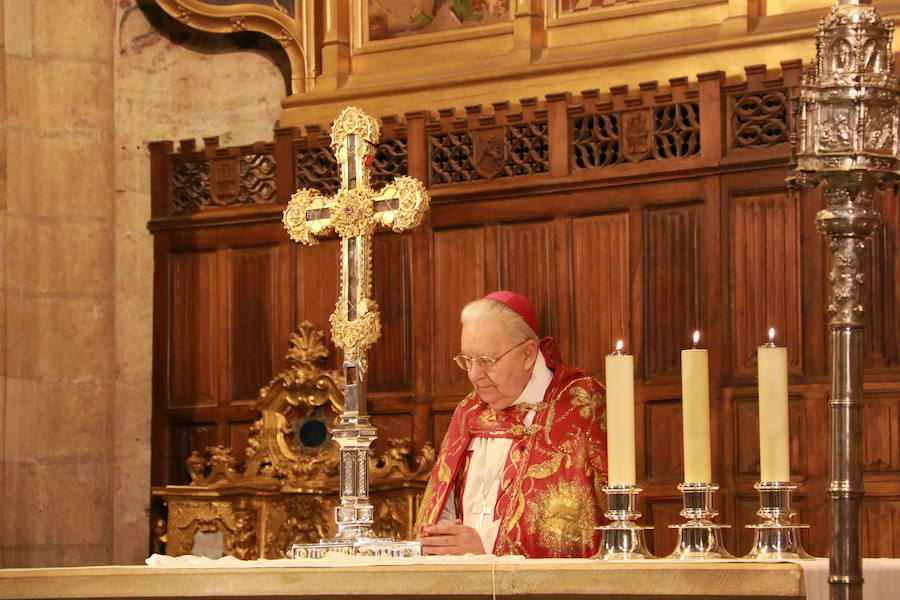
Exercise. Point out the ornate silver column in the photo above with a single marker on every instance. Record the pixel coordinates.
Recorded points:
(844, 135)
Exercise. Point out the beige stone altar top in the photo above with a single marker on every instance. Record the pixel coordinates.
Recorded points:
(572, 578)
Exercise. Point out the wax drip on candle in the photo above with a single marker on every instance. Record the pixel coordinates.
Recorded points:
(696, 338)
(619, 345)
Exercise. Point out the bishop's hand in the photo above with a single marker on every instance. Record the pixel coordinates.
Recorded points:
(450, 538)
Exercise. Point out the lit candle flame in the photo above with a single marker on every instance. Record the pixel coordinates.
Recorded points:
(696, 338)
(771, 335)
(619, 345)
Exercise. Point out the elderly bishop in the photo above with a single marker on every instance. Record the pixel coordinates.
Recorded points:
(523, 463)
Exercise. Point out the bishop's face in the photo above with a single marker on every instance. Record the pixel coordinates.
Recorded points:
(500, 385)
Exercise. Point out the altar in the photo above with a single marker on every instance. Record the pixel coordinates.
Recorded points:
(345, 576)
(531, 578)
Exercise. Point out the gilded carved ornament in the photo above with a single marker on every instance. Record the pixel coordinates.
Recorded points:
(282, 487)
(352, 120)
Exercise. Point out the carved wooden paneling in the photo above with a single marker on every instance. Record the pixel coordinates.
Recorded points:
(318, 272)
(744, 514)
(881, 289)
(390, 426)
(526, 266)
(440, 424)
(192, 332)
(663, 454)
(880, 525)
(672, 271)
(459, 267)
(182, 440)
(881, 432)
(746, 437)
(765, 278)
(253, 353)
(390, 357)
(600, 286)
(661, 513)
(238, 433)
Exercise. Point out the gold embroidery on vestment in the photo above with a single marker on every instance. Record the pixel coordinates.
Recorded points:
(563, 518)
(548, 468)
(585, 401)
(443, 470)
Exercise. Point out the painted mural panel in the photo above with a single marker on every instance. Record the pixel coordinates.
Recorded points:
(399, 18)
(577, 5)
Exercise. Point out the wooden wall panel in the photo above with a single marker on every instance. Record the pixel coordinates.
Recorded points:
(390, 426)
(663, 452)
(525, 252)
(440, 424)
(192, 331)
(318, 273)
(764, 266)
(661, 513)
(238, 432)
(746, 437)
(390, 358)
(882, 287)
(253, 352)
(881, 432)
(672, 270)
(184, 438)
(600, 287)
(459, 277)
(880, 525)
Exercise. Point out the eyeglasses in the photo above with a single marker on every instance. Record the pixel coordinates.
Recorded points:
(485, 363)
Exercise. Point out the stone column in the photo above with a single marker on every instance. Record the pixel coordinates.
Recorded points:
(59, 322)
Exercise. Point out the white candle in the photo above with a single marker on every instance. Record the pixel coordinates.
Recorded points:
(695, 414)
(774, 445)
(620, 416)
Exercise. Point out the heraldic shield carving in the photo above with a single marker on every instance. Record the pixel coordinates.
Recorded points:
(489, 151)
(636, 135)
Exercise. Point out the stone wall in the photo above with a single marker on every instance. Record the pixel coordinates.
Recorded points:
(60, 366)
(85, 85)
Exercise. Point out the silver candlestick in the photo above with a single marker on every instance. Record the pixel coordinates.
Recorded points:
(776, 537)
(622, 539)
(699, 538)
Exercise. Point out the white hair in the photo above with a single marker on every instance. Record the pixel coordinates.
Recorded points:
(494, 310)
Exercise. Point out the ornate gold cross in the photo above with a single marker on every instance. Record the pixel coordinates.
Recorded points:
(354, 213)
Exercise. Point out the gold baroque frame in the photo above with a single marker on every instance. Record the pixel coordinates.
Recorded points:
(293, 33)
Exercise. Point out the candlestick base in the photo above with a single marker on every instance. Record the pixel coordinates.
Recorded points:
(622, 539)
(699, 538)
(776, 537)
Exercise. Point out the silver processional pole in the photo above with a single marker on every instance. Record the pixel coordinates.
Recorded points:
(844, 136)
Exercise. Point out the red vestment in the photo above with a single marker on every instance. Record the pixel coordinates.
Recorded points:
(550, 497)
